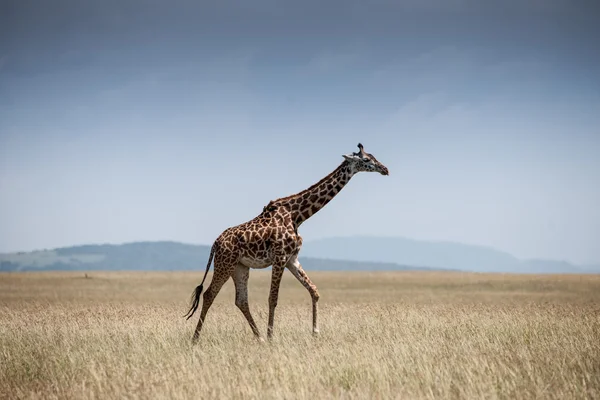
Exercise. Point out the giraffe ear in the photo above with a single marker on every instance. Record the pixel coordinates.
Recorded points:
(350, 157)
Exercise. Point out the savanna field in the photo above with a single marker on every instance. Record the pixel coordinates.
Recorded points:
(413, 335)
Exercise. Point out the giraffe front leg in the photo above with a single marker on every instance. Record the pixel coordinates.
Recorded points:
(273, 296)
(296, 270)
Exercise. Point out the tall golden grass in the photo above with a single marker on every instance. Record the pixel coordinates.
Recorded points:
(406, 335)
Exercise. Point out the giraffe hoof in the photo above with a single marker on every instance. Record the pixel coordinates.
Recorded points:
(316, 332)
(260, 339)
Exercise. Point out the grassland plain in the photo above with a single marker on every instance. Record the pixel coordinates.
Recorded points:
(385, 335)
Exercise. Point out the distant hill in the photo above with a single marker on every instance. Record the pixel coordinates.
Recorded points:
(438, 255)
(356, 253)
(155, 256)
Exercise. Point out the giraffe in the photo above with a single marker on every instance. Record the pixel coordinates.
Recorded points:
(272, 239)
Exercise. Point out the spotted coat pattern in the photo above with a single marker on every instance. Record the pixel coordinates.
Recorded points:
(272, 239)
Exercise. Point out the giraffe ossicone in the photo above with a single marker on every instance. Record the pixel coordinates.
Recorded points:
(272, 239)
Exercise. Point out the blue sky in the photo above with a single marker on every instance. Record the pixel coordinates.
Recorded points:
(141, 120)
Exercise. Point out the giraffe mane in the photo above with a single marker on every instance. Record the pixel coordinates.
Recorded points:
(344, 163)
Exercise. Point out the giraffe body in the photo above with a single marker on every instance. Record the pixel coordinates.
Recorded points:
(260, 242)
(272, 239)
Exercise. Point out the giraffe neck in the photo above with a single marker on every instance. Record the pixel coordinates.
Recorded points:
(308, 202)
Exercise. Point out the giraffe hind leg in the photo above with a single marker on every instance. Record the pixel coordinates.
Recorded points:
(240, 279)
(220, 276)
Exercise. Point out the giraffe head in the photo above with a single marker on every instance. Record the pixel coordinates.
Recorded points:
(363, 161)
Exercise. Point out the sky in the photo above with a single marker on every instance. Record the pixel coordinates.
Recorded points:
(140, 120)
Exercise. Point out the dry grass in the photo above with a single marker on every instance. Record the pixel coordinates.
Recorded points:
(383, 335)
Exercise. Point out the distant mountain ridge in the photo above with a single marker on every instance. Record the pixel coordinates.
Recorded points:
(154, 256)
(437, 255)
(351, 253)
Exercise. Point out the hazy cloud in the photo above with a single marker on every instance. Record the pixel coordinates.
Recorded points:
(128, 120)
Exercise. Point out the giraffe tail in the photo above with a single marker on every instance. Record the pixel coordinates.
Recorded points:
(195, 299)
